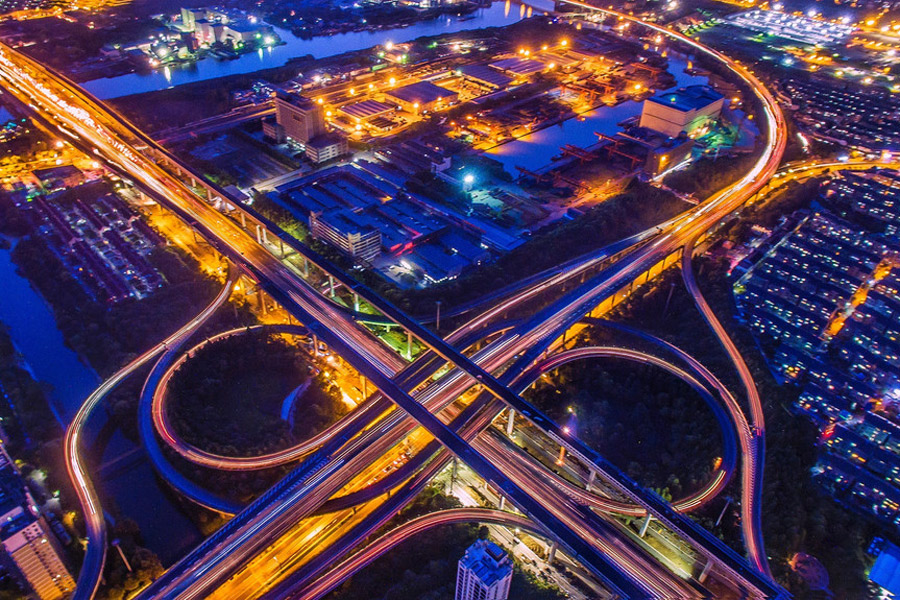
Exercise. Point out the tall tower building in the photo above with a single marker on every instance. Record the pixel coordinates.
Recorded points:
(35, 552)
(30, 549)
(300, 118)
(485, 572)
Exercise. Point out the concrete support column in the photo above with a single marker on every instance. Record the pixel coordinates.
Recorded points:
(193, 181)
(591, 479)
(552, 555)
(331, 286)
(265, 235)
(705, 572)
(305, 267)
(561, 460)
(243, 219)
(262, 302)
(646, 524)
(502, 501)
(454, 472)
(409, 341)
(258, 235)
(315, 345)
(355, 302)
(281, 246)
(365, 386)
(510, 422)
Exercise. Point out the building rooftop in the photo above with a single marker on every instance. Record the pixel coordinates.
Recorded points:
(488, 561)
(56, 172)
(326, 139)
(423, 92)
(295, 99)
(487, 75)
(886, 570)
(366, 109)
(693, 97)
(519, 66)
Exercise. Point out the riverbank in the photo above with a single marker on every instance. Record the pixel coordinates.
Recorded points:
(497, 15)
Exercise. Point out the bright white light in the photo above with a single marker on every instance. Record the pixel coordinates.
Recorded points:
(469, 179)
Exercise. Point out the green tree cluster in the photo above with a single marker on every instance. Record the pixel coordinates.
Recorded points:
(145, 567)
(228, 397)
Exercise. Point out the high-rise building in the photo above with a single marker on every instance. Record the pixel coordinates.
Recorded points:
(300, 118)
(35, 552)
(30, 549)
(485, 572)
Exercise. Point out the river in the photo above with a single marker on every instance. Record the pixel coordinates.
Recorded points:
(497, 15)
(68, 381)
(536, 150)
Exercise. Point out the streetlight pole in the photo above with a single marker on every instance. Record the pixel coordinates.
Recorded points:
(115, 544)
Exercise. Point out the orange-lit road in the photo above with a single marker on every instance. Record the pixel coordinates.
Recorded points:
(698, 220)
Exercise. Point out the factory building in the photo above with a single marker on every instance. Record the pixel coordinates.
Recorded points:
(486, 77)
(422, 96)
(352, 233)
(326, 147)
(681, 111)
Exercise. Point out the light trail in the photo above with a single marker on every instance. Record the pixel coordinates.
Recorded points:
(701, 219)
(95, 521)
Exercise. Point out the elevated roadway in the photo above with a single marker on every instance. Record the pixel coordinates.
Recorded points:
(310, 310)
(95, 521)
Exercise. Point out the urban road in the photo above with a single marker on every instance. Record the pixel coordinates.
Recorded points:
(117, 142)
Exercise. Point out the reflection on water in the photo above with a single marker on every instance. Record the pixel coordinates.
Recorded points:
(134, 488)
(32, 328)
(498, 14)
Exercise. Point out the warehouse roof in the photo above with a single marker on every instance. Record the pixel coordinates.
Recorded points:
(486, 75)
(423, 92)
(366, 109)
(519, 66)
(693, 97)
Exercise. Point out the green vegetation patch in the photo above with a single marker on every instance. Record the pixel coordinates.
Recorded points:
(228, 397)
(646, 421)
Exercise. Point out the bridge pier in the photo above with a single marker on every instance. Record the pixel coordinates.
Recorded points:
(262, 302)
(561, 460)
(258, 235)
(502, 502)
(454, 472)
(265, 236)
(591, 479)
(355, 302)
(646, 524)
(331, 286)
(305, 267)
(243, 220)
(315, 345)
(551, 556)
(510, 422)
(705, 572)
(409, 342)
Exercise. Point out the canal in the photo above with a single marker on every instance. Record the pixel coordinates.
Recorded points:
(129, 480)
(497, 15)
